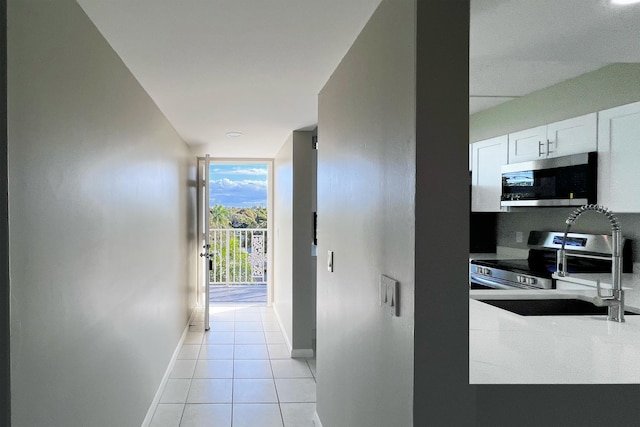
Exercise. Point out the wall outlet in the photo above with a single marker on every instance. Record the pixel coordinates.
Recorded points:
(519, 237)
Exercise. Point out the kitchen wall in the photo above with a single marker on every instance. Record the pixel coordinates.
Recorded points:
(607, 87)
(294, 266)
(553, 219)
(610, 86)
(101, 221)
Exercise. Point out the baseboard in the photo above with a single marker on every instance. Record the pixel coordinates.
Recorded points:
(316, 419)
(306, 353)
(287, 341)
(156, 399)
(297, 353)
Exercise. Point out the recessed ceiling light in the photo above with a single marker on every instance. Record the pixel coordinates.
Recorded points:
(234, 134)
(624, 2)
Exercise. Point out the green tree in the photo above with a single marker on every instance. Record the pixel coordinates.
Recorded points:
(219, 217)
(243, 219)
(223, 217)
(261, 216)
(255, 217)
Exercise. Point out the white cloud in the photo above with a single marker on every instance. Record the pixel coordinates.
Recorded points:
(244, 171)
(227, 184)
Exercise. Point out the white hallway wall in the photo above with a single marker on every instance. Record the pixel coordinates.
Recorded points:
(366, 187)
(101, 226)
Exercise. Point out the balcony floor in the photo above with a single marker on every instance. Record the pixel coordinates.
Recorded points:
(238, 293)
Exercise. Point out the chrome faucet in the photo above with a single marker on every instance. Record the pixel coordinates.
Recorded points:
(615, 301)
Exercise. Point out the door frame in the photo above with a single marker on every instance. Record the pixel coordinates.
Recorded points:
(202, 239)
(271, 236)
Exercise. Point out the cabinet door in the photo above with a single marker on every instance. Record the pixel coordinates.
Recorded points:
(619, 157)
(486, 179)
(573, 136)
(528, 145)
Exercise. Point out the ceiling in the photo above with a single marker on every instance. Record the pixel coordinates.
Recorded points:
(520, 46)
(256, 67)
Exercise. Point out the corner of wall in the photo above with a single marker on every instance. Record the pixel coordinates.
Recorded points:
(5, 340)
(304, 273)
(294, 297)
(442, 212)
(283, 236)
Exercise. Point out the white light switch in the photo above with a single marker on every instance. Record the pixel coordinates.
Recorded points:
(390, 295)
(330, 261)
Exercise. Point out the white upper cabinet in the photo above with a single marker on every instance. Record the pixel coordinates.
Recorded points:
(527, 144)
(487, 156)
(619, 158)
(571, 136)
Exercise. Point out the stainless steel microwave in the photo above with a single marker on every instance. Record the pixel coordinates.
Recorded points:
(559, 181)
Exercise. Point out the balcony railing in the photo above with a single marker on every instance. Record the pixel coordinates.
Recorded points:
(238, 256)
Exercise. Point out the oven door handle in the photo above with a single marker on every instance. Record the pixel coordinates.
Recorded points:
(494, 284)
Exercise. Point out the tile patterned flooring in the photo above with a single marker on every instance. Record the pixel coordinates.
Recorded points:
(238, 374)
(239, 294)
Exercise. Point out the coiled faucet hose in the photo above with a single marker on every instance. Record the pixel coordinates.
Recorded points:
(613, 219)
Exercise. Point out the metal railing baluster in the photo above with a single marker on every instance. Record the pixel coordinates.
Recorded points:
(239, 256)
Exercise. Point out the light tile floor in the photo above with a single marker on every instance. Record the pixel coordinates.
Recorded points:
(242, 294)
(238, 374)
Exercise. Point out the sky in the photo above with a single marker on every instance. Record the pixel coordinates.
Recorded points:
(239, 186)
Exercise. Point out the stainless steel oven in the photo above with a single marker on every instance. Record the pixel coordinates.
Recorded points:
(536, 271)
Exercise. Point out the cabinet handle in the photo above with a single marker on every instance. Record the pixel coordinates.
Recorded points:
(548, 143)
(540, 144)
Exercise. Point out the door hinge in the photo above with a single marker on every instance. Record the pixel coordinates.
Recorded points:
(314, 142)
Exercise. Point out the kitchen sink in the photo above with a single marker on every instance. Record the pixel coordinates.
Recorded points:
(549, 307)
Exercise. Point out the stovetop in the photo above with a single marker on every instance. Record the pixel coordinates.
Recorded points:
(542, 263)
(536, 271)
(524, 266)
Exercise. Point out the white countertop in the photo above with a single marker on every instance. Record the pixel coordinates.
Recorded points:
(506, 348)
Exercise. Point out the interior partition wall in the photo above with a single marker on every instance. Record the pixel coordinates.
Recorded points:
(295, 267)
(5, 364)
(442, 217)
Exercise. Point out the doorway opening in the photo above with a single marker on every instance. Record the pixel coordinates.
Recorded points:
(238, 223)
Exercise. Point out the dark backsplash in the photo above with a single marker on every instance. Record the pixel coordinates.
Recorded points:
(482, 232)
